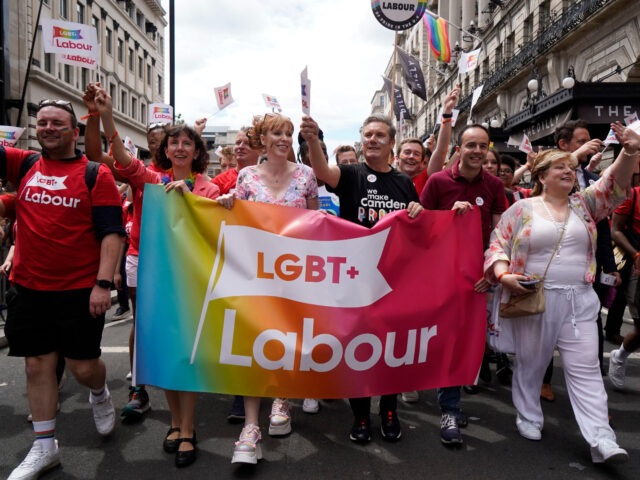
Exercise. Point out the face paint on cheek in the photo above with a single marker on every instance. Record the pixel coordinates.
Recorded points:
(65, 131)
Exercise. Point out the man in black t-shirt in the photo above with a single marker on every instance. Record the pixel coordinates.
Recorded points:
(367, 192)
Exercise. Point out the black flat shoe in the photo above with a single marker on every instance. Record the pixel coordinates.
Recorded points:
(187, 457)
(171, 446)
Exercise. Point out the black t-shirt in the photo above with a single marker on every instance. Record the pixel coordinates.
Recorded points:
(366, 195)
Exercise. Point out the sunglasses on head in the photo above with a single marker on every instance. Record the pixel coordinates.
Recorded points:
(153, 126)
(63, 104)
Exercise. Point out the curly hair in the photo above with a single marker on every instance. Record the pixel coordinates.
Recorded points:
(201, 158)
(263, 124)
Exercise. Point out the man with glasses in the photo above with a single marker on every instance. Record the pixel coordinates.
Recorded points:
(69, 224)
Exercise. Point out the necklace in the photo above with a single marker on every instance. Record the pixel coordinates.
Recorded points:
(190, 180)
(558, 225)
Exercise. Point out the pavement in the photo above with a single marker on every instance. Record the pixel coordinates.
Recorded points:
(318, 447)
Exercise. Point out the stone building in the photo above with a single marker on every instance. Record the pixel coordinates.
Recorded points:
(541, 63)
(131, 37)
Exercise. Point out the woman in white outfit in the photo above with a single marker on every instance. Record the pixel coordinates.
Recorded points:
(553, 225)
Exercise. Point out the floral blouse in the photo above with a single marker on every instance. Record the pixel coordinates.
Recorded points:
(511, 237)
(303, 187)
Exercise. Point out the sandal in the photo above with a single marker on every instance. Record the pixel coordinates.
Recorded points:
(187, 457)
(171, 446)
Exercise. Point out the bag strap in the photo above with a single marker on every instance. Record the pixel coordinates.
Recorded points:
(555, 249)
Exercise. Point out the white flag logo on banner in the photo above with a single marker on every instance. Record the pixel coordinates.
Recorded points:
(223, 96)
(160, 113)
(305, 91)
(271, 102)
(71, 39)
(525, 144)
(468, 61)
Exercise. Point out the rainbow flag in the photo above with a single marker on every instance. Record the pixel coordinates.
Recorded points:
(277, 301)
(438, 37)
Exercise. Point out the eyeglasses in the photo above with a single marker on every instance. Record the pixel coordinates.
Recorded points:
(505, 171)
(153, 126)
(63, 104)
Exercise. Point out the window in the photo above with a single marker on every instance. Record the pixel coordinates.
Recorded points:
(544, 12)
(79, 12)
(143, 113)
(382, 100)
(95, 22)
(109, 40)
(131, 10)
(68, 74)
(64, 8)
(148, 74)
(123, 102)
(48, 62)
(161, 44)
(528, 29)
(140, 19)
(131, 62)
(120, 50)
(160, 84)
(509, 46)
(140, 68)
(85, 78)
(112, 94)
(134, 108)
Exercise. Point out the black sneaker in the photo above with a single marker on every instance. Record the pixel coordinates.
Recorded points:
(462, 419)
(503, 370)
(236, 414)
(121, 312)
(138, 403)
(390, 426)
(361, 430)
(449, 431)
(471, 389)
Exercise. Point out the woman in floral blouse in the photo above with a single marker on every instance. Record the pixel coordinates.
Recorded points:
(281, 182)
(520, 248)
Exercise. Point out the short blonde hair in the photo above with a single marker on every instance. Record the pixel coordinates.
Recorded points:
(543, 163)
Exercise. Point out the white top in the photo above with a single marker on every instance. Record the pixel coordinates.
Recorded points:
(569, 264)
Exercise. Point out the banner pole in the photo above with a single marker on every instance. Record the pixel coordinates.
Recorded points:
(393, 74)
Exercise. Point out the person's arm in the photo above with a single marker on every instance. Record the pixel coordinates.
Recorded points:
(520, 171)
(329, 174)
(436, 162)
(117, 276)
(105, 107)
(622, 169)
(5, 268)
(594, 162)
(199, 125)
(618, 223)
(92, 140)
(100, 298)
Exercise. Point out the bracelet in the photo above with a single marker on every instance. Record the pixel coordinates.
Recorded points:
(447, 115)
(502, 275)
(629, 154)
(90, 114)
(112, 137)
(445, 120)
(636, 256)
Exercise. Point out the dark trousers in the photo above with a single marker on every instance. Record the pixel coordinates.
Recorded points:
(361, 407)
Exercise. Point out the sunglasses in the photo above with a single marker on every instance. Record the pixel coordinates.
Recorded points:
(153, 126)
(63, 104)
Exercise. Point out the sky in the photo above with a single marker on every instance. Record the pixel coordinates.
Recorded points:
(262, 46)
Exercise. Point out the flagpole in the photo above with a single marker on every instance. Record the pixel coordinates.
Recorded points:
(393, 74)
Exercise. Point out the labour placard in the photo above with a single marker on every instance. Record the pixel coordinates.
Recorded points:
(68, 38)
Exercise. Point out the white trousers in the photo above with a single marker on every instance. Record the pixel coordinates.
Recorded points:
(569, 323)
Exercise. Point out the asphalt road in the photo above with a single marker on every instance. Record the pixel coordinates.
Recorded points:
(319, 447)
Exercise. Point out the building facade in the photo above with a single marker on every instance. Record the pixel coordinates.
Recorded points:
(531, 51)
(214, 137)
(131, 38)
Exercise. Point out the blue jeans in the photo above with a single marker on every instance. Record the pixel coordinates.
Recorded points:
(449, 400)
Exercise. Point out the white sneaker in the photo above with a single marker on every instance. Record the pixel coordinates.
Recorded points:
(128, 376)
(103, 413)
(36, 462)
(527, 429)
(248, 448)
(280, 418)
(310, 405)
(410, 397)
(616, 370)
(607, 450)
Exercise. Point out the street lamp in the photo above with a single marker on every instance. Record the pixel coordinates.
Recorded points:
(570, 80)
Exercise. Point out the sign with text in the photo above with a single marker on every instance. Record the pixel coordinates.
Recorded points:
(277, 301)
(223, 96)
(9, 135)
(77, 60)
(160, 113)
(71, 39)
(398, 15)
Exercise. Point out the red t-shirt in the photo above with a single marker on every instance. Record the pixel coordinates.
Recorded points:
(226, 181)
(448, 186)
(56, 244)
(420, 181)
(628, 208)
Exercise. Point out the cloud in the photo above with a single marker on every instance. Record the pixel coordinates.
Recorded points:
(262, 46)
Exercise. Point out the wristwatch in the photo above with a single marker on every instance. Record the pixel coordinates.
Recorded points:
(104, 284)
(447, 115)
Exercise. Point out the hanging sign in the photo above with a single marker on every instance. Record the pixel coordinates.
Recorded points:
(398, 15)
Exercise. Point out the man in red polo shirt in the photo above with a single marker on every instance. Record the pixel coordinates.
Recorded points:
(245, 156)
(463, 187)
(66, 252)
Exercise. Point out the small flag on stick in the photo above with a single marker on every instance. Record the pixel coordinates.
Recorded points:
(305, 91)
(223, 96)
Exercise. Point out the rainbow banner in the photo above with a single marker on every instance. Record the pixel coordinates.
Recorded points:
(275, 301)
(438, 37)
